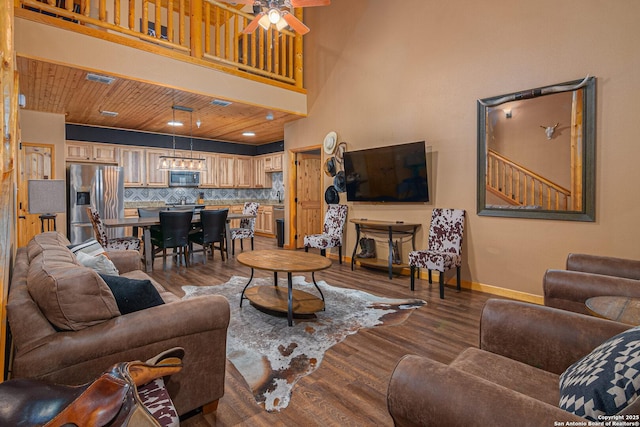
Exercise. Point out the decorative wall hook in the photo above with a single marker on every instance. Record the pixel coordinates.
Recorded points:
(550, 130)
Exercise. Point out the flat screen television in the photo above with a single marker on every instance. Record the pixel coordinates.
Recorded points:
(394, 174)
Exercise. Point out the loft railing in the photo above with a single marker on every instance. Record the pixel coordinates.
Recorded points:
(209, 31)
(520, 186)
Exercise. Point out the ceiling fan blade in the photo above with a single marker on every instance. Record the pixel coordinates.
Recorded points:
(309, 3)
(295, 23)
(253, 24)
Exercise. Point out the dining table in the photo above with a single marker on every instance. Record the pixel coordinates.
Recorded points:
(146, 223)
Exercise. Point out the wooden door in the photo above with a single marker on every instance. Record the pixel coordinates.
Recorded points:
(308, 195)
(36, 161)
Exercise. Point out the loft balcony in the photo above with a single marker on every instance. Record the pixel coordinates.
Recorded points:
(192, 47)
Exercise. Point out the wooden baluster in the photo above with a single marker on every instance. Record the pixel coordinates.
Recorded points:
(158, 19)
(269, 49)
(263, 35)
(207, 26)
(236, 40)
(170, 20)
(132, 15)
(291, 56)
(216, 23)
(245, 44)
(68, 4)
(145, 17)
(195, 20)
(116, 12)
(181, 22)
(85, 7)
(298, 52)
(228, 36)
(102, 10)
(276, 53)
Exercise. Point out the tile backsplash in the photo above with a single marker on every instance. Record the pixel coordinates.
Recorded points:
(175, 194)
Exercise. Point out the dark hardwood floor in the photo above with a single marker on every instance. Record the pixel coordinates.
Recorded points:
(349, 388)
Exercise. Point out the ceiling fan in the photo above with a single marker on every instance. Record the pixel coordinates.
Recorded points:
(278, 13)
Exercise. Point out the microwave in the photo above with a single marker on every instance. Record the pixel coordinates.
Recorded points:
(184, 179)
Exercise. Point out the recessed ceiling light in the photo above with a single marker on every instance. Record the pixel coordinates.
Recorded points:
(248, 134)
(174, 123)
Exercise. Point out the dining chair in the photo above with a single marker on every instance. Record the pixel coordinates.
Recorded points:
(130, 243)
(174, 233)
(445, 247)
(247, 226)
(332, 231)
(214, 230)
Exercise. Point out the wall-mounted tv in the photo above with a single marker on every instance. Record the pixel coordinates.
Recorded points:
(396, 173)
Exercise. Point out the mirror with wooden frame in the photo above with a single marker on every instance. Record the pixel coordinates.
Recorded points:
(536, 153)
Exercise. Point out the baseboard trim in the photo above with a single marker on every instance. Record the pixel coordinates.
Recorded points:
(489, 289)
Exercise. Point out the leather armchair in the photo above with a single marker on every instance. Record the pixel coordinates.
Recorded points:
(589, 276)
(512, 378)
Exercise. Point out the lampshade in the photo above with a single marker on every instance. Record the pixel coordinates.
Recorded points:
(47, 196)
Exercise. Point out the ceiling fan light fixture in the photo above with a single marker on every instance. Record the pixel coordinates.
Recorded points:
(274, 15)
(264, 22)
(282, 24)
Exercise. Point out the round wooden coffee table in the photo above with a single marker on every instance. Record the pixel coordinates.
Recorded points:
(272, 298)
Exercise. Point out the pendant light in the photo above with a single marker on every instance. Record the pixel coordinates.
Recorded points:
(180, 163)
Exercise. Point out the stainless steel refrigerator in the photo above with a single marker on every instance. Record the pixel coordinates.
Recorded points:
(100, 186)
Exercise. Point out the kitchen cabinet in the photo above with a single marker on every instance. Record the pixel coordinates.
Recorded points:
(132, 161)
(261, 179)
(244, 172)
(273, 162)
(153, 176)
(264, 220)
(226, 171)
(209, 178)
(90, 152)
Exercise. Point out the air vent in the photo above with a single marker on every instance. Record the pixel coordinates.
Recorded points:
(221, 103)
(109, 113)
(100, 79)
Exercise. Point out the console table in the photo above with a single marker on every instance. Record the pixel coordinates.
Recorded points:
(389, 229)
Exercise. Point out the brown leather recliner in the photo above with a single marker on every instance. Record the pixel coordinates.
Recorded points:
(511, 379)
(589, 276)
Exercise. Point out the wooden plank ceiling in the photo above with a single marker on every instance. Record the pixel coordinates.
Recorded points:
(60, 89)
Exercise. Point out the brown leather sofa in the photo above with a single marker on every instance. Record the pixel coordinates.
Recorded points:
(99, 335)
(511, 379)
(589, 276)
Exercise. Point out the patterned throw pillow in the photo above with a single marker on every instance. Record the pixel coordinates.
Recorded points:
(605, 381)
(90, 247)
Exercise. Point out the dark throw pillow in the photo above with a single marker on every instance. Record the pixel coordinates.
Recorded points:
(605, 381)
(132, 294)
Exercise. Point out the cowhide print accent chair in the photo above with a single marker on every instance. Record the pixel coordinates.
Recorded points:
(332, 231)
(247, 226)
(125, 243)
(445, 246)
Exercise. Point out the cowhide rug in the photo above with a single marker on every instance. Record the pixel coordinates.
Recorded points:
(271, 356)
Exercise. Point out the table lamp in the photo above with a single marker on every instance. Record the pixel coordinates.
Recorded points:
(47, 197)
